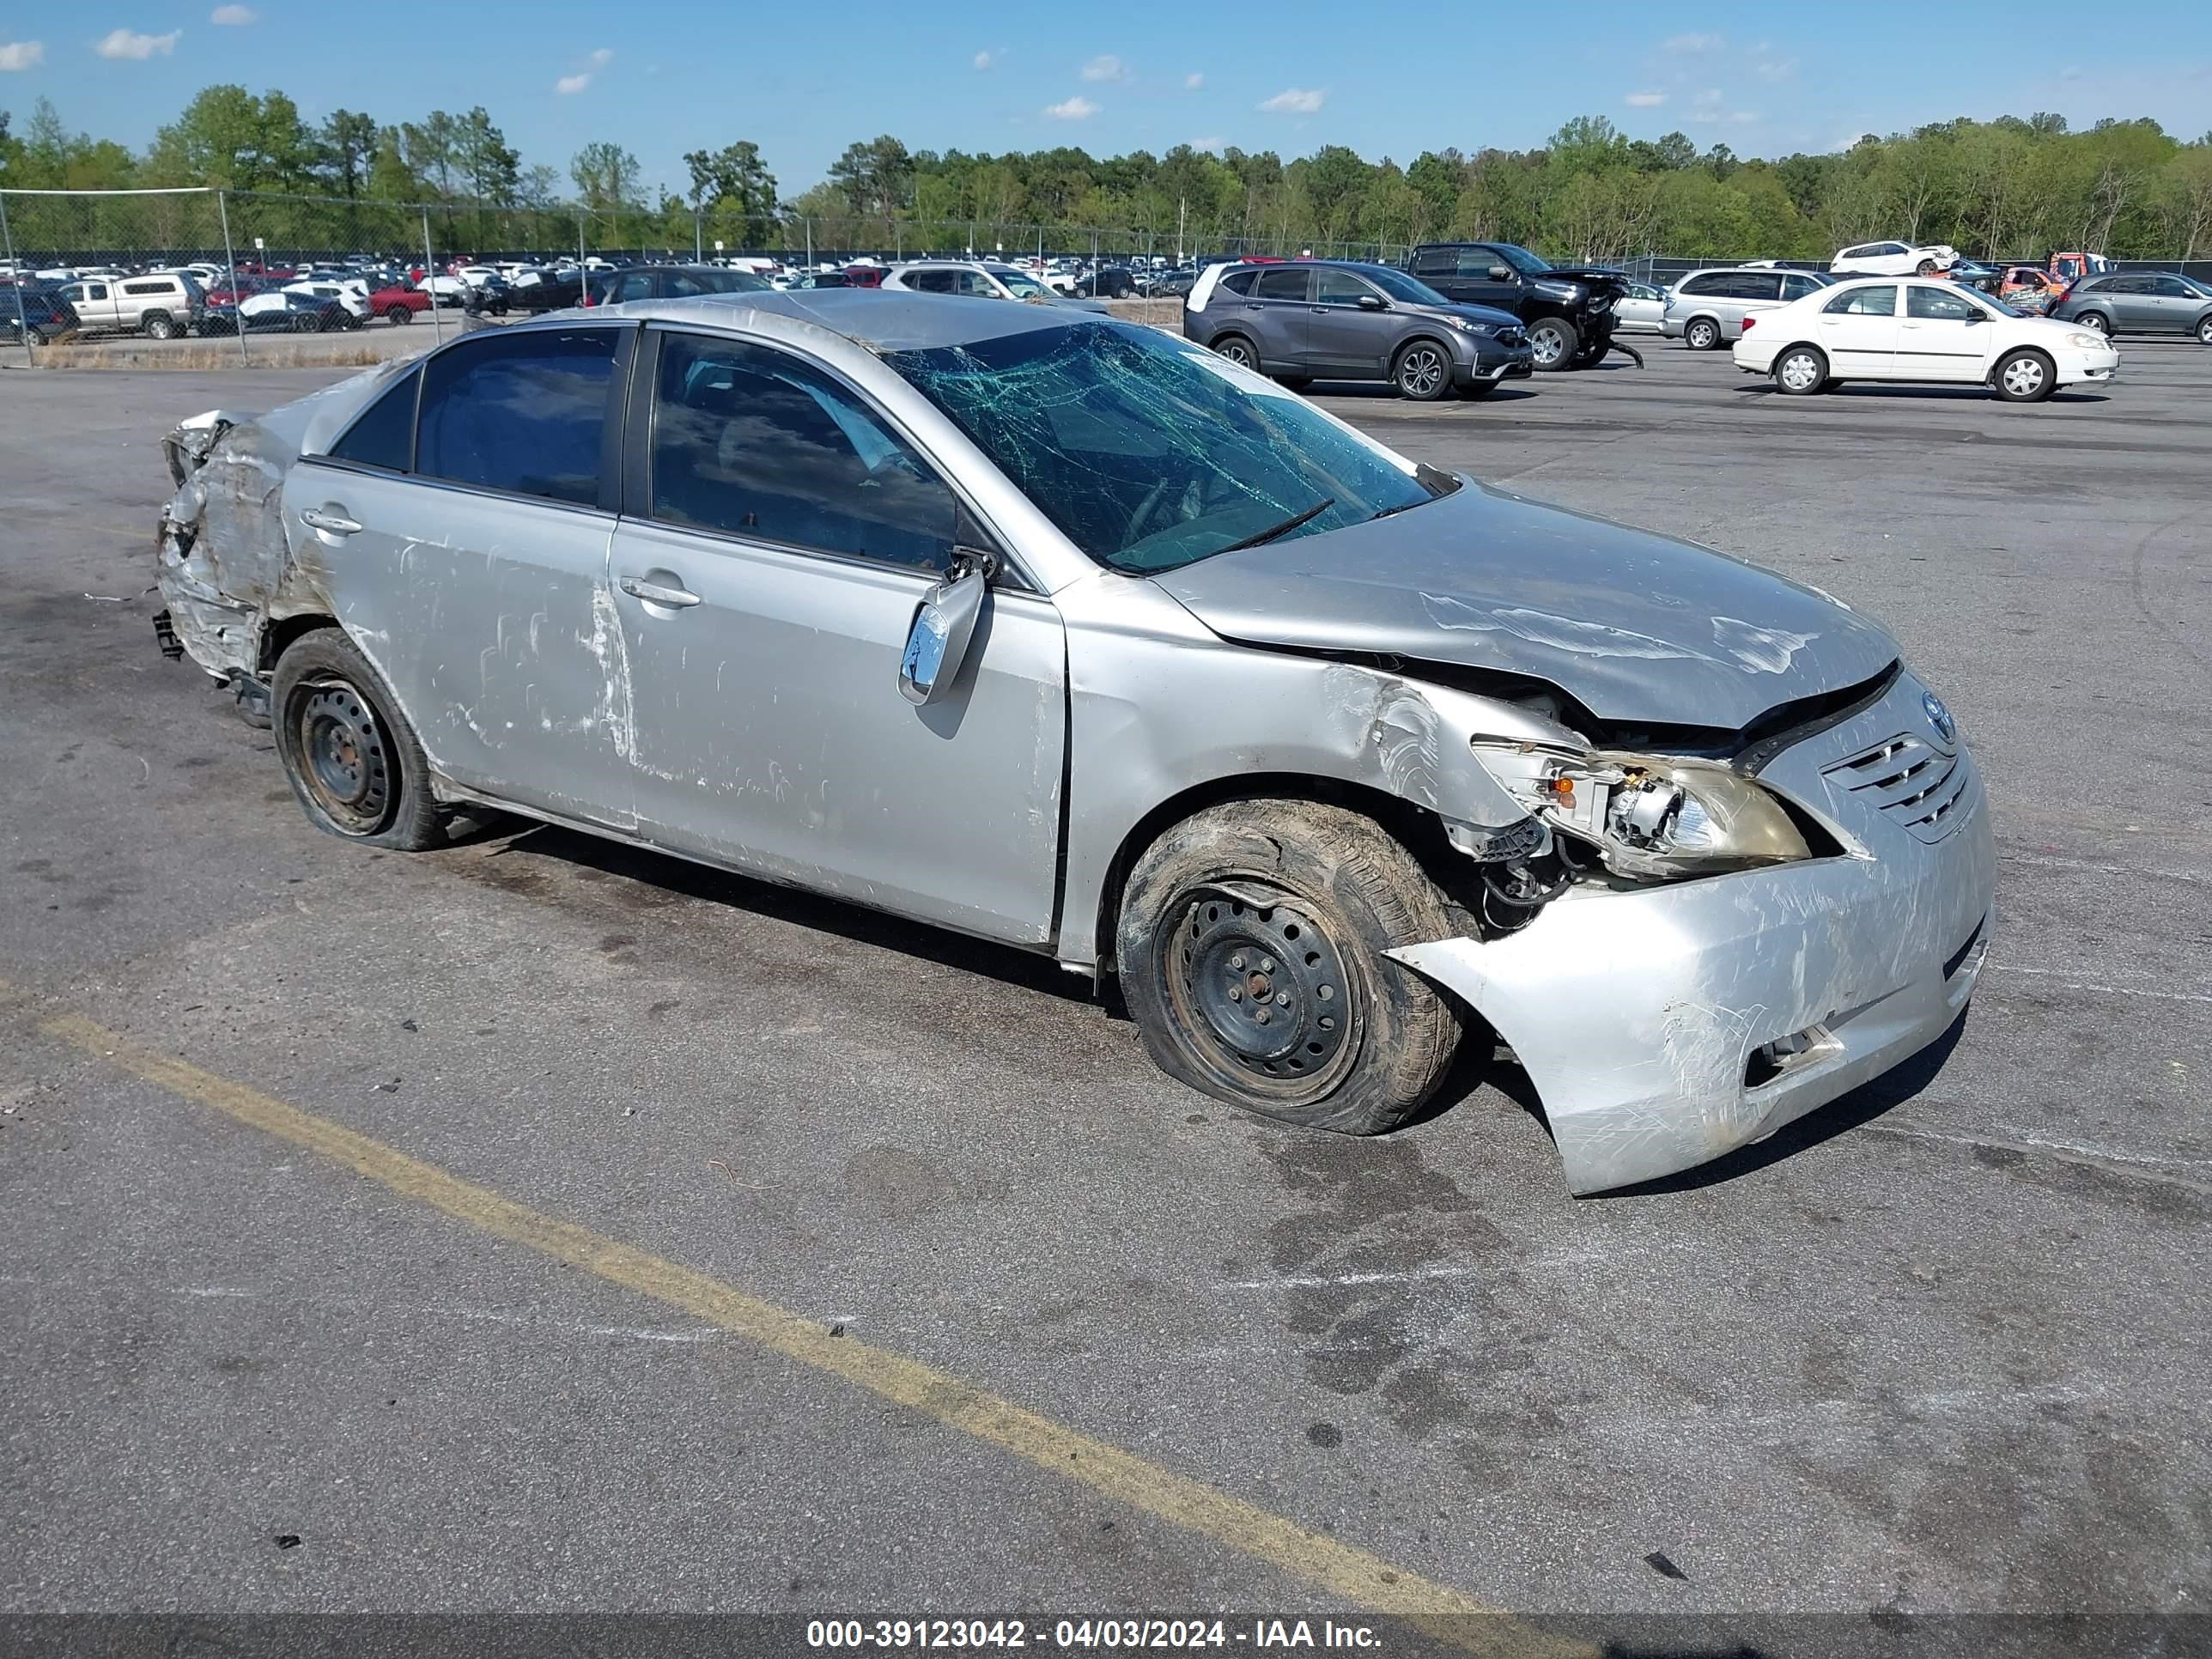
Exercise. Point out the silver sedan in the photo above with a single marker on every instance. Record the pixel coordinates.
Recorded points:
(1067, 633)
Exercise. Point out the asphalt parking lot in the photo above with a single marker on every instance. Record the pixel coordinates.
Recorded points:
(714, 1171)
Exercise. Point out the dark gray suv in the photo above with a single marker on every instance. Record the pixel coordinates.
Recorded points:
(1326, 321)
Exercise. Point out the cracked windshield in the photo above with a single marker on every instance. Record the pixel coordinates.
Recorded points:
(1151, 456)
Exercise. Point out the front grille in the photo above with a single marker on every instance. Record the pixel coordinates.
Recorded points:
(1911, 781)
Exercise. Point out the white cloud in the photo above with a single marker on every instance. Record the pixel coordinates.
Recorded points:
(568, 83)
(982, 60)
(1770, 65)
(1192, 82)
(1075, 109)
(122, 43)
(1106, 67)
(1210, 146)
(1693, 44)
(21, 55)
(1644, 100)
(602, 57)
(235, 17)
(1295, 100)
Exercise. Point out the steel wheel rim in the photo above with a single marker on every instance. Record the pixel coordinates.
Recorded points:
(1422, 372)
(344, 757)
(2023, 376)
(1261, 992)
(1799, 372)
(1546, 344)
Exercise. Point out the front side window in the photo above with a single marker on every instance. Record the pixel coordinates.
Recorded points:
(1282, 285)
(1338, 287)
(1022, 285)
(525, 413)
(1511, 253)
(2169, 288)
(751, 441)
(1797, 287)
(1937, 305)
(1148, 454)
(1864, 302)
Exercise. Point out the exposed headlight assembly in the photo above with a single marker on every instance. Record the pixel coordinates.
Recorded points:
(1466, 326)
(2085, 342)
(1651, 816)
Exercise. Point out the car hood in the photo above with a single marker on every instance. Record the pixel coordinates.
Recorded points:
(1638, 628)
(1599, 279)
(1488, 316)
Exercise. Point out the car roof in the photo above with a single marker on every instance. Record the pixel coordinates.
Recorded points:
(875, 319)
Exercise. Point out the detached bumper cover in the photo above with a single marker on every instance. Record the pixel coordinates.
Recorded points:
(1639, 1015)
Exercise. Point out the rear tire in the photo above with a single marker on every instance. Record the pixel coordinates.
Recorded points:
(351, 759)
(1801, 371)
(1238, 350)
(2097, 320)
(1249, 945)
(1553, 342)
(158, 326)
(1423, 372)
(1702, 335)
(398, 314)
(1925, 267)
(2025, 377)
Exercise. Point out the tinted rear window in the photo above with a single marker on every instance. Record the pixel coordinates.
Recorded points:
(525, 414)
(384, 434)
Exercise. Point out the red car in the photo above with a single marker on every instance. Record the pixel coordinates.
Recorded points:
(398, 303)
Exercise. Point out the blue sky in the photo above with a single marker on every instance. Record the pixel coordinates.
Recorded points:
(804, 79)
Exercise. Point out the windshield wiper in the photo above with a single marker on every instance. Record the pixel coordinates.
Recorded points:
(1284, 528)
(1402, 506)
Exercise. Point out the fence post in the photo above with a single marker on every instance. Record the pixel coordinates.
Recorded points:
(15, 280)
(698, 245)
(230, 259)
(430, 279)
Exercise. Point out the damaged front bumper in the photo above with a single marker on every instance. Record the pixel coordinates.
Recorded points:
(1665, 1027)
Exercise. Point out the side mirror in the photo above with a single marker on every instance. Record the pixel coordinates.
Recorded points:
(944, 623)
(1976, 314)
(1501, 273)
(1371, 303)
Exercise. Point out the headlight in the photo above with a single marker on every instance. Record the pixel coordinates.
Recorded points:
(1651, 815)
(1466, 327)
(2085, 341)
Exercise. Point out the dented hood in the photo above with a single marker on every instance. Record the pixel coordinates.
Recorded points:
(1637, 627)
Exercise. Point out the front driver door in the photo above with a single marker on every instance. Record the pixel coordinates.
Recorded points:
(1943, 334)
(1343, 338)
(779, 534)
(1858, 331)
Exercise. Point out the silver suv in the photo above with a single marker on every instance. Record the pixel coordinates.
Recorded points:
(978, 281)
(161, 304)
(1706, 309)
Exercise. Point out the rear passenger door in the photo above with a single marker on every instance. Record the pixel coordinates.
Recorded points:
(1276, 313)
(463, 521)
(1857, 330)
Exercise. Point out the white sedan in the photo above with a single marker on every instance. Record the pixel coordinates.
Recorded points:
(1938, 332)
(1894, 259)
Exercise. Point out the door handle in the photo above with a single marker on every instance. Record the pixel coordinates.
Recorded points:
(676, 598)
(330, 519)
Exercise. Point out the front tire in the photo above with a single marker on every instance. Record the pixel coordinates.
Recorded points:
(1250, 945)
(352, 760)
(1423, 372)
(2025, 377)
(1553, 342)
(1801, 371)
(1703, 335)
(398, 314)
(2204, 332)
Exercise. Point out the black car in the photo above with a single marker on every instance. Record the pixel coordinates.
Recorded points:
(1107, 283)
(551, 289)
(1325, 320)
(613, 288)
(1568, 309)
(40, 311)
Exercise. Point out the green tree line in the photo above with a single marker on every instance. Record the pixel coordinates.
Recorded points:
(2007, 186)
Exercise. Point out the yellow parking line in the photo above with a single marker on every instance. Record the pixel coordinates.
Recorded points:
(1339, 1569)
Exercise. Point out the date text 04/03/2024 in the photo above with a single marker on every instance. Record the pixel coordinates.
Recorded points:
(1111, 1634)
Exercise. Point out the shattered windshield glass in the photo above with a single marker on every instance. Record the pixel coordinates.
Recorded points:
(1151, 454)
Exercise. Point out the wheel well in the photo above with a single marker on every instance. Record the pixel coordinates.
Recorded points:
(277, 636)
(1214, 344)
(1411, 341)
(1420, 832)
(1712, 317)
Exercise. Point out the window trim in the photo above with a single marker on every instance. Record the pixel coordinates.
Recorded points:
(636, 494)
(611, 436)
